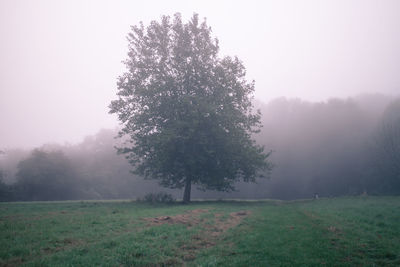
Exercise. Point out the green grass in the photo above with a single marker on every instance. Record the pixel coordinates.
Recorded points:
(359, 231)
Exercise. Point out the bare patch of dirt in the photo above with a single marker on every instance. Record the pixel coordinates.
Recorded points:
(193, 218)
(212, 228)
(189, 218)
(62, 244)
(223, 223)
(236, 218)
(17, 261)
(209, 236)
(170, 262)
(334, 229)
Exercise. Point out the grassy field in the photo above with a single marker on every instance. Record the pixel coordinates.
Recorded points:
(359, 231)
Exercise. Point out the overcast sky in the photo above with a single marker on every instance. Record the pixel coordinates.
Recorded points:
(59, 60)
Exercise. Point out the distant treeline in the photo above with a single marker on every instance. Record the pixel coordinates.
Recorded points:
(338, 147)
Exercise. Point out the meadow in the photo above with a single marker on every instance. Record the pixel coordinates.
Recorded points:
(351, 231)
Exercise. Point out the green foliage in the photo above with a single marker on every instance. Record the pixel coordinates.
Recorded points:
(188, 113)
(45, 176)
(160, 197)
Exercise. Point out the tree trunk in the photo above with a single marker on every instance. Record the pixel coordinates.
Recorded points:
(188, 189)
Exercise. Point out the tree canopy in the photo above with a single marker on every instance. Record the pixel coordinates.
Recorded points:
(187, 112)
(46, 176)
(386, 153)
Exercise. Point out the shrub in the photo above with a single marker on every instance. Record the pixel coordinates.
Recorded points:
(160, 197)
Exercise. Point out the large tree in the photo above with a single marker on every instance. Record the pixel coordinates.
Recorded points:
(187, 112)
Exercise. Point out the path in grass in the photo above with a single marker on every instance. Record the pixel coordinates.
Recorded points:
(332, 232)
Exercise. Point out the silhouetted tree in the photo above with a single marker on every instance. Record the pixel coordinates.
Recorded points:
(46, 176)
(387, 150)
(188, 113)
(103, 174)
(4, 189)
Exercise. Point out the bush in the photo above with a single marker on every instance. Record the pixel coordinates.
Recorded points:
(6, 192)
(160, 197)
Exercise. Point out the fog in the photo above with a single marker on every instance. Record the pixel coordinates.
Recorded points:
(60, 59)
(327, 86)
(331, 148)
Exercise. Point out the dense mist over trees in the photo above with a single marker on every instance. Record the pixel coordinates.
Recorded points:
(46, 176)
(385, 156)
(338, 147)
(319, 147)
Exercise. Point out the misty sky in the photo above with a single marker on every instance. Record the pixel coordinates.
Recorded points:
(59, 60)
